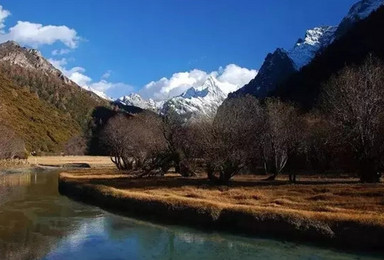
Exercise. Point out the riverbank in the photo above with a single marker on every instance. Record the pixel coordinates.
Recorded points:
(52, 162)
(339, 213)
(12, 163)
(62, 161)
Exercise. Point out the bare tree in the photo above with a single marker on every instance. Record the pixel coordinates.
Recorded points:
(134, 141)
(11, 146)
(232, 141)
(180, 136)
(354, 103)
(280, 135)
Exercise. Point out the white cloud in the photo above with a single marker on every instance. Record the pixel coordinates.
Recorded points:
(3, 15)
(77, 75)
(236, 76)
(233, 77)
(35, 34)
(177, 84)
(59, 52)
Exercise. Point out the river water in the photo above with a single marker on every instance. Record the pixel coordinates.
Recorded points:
(36, 222)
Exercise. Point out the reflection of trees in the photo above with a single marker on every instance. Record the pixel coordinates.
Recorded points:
(33, 217)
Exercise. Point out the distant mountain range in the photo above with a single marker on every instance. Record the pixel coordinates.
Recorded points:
(196, 102)
(281, 64)
(277, 68)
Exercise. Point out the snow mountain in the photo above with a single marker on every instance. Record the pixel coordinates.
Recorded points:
(197, 101)
(194, 103)
(306, 49)
(358, 11)
(281, 64)
(137, 101)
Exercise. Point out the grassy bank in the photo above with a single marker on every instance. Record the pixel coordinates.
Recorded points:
(13, 163)
(337, 212)
(93, 161)
(96, 162)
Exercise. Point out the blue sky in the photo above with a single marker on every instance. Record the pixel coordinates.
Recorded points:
(135, 42)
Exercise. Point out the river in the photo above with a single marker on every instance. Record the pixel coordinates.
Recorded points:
(36, 222)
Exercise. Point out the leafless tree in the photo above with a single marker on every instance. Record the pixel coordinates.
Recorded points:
(11, 146)
(280, 135)
(180, 136)
(134, 141)
(233, 140)
(354, 103)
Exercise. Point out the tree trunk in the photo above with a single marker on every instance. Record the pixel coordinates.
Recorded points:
(292, 177)
(222, 178)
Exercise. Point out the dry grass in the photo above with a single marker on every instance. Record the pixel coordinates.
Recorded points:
(93, 161)
(13, 163)
(329, 200)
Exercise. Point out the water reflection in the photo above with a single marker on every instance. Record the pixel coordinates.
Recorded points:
(37, 223)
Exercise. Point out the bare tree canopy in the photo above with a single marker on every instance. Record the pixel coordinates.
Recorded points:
(232, 141)
(280, 136)
(133, 141)
(354, 103)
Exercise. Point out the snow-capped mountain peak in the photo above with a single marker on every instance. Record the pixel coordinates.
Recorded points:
(195, 102)
(358, 11)
(198, 101)
(363, 9)
(209, 87)
(306, 49)
(136, 100)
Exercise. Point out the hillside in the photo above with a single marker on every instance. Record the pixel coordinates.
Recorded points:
(42, 126)
(28, 69)
(352, 48)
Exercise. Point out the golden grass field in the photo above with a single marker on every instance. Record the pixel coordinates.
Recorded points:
(93, 161)
(329, 200)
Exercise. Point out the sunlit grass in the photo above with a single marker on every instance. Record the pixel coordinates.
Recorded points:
(329, 200)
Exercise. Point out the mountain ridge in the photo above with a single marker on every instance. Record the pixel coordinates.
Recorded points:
(28, 69)
(276, 69)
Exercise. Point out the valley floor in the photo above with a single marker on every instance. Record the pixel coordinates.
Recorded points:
(340, 212)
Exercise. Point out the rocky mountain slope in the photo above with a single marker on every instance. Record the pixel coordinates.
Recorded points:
(39, 103)
(29, 70)
(282, 64)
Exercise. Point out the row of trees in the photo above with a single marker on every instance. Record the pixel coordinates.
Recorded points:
(344, 133)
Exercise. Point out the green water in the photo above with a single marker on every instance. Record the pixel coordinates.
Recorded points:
(36, 222)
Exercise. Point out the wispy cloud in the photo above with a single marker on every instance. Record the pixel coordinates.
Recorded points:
(59, 52)
(100, 87)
